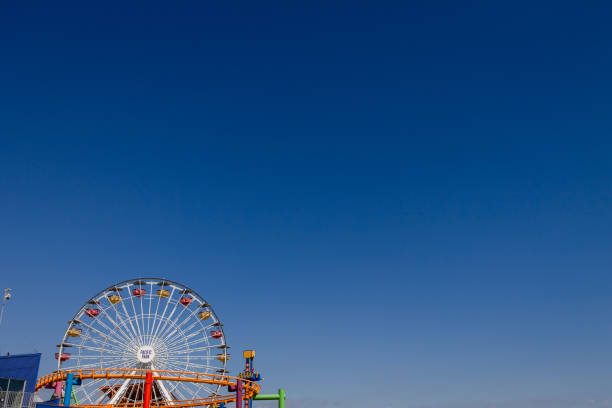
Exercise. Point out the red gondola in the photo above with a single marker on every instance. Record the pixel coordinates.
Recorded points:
(186, 300)
(138, 292)
(92, 312)
(62, 356)
(216, 334)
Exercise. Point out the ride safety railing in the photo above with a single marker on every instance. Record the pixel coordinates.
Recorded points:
(248, 388)
(17, 399)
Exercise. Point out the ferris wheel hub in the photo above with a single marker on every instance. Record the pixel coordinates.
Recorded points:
(145, 354)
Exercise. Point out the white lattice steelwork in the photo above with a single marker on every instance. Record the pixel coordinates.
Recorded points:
(147, 323)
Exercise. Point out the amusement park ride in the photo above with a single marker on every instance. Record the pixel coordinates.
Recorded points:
(149, 343)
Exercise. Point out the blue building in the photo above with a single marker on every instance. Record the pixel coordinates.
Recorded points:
(18, 376)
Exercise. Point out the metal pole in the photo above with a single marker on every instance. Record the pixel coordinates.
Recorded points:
(266, 397)
(281, 398)
(22, 396)
(147, 390)
(239, 394)
(68, 389)
(5, 297)
(6, 394)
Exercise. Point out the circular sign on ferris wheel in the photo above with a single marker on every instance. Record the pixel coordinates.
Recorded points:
(145, 354)
(149, 323)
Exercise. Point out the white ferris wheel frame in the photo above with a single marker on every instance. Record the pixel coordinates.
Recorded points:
(125, 334)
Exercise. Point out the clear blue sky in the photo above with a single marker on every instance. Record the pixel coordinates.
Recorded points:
(398, 202)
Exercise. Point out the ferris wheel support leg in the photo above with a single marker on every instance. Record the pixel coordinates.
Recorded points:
(118, 394)
(167, 396)
(147, 390)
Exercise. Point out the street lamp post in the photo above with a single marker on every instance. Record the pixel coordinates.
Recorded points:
(7, 296)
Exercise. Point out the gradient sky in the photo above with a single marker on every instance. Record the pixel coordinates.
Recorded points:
(397, 204)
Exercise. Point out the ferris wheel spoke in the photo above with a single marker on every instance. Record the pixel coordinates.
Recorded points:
(177, 367)
(142, 319)
(188, 318)
(162, 316)
(156, 397)
(182, 346)
(86, 394)
(199, 387)
(194, 389)
(205, 387)
(151, 299)
(195, 323)
(110, 330)
(106, 360)
(182, 338)
(185, 337)
(98, 357)
(84, 361)
(164, 391)
(115, 324)
(194, 350)
(191, 348)
(194, 357)
(119, 317)
(180, 342)
(190, 327)
(121, 391)
(180, 395)
(93, 339)
(135, 312)
(90, 384)
(159, 299)
(152, 313)
(101, 333)
(94, 365)
(100, 349)
(178, 319)
(166, 320)
(162, 387)
(104, 357)
(178, 328)
(127, 314)
(169, 340)
(189, 336)
(184, 364)
(196, 365)
(105, 314)
(97, 362)
(146, 319)
(103, 394)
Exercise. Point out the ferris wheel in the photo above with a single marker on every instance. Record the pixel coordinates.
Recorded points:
(148, 323)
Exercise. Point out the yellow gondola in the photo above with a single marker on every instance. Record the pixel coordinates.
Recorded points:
(223, 357)
(74, 332)
(204, 315)
(163, 293)
(114, 299)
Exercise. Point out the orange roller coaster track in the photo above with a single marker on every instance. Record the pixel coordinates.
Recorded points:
(250, 389)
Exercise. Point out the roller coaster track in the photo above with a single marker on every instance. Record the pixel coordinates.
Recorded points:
(250, 388)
